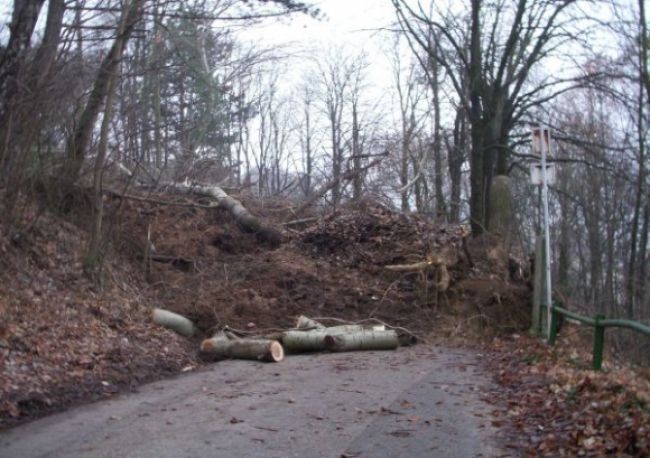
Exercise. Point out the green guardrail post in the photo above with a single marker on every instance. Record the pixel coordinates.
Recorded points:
(599, 342)
(555, 318)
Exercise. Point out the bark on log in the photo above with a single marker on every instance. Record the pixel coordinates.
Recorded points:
(343, 338)
(301, 341)
(244, 218)
(362, 340)
(254, 349)
(177, 323)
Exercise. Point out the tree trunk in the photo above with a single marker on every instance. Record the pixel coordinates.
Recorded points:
(478, 186)
(441, 208)
(308, 152)
(255, 349)
(632, 263)
(93, 256)
(23, 21)
(455, 155)
(80, 138)
(357, 181)
(501, 209)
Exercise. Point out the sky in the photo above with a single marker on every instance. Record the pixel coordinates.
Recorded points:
(353, 26)
(351, 22)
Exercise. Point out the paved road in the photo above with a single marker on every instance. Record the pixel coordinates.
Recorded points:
(416, 402)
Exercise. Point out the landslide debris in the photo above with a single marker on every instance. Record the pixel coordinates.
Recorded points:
(64, 339)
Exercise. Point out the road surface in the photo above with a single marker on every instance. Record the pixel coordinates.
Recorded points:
(416, 402)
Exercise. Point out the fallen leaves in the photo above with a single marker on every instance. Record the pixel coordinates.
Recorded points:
(556, 408)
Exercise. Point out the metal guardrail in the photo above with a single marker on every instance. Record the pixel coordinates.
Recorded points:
(600, 323)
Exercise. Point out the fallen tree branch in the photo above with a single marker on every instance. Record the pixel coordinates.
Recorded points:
(244, 218)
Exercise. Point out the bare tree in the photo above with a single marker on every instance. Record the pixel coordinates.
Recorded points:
(494, 47)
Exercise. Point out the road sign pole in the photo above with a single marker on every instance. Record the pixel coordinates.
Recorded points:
(545, 143)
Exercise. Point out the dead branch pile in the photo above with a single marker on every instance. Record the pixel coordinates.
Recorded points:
(378, 237)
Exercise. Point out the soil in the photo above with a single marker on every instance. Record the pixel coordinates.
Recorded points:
(65, 338)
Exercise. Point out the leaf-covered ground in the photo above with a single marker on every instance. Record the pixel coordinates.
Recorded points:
(551, 403)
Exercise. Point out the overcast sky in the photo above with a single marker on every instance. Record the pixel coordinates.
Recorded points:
(342, 21)
(353, 26)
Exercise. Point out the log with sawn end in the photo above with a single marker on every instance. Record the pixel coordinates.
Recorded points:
(256, 349)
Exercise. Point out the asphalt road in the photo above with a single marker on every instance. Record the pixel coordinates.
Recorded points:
(415, 402)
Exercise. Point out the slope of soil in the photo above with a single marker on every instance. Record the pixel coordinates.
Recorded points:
(64, 341)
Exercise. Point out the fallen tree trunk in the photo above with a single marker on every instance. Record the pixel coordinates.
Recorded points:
(339, 338)
(177, 323)
(255, 349)
(362, 340)
(244, 218)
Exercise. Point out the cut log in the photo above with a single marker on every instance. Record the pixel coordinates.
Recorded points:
(255, 349)
(300, 341)
(339, 338)
(177, 323)
(362, 340)
(304, 322)
(244, 218)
